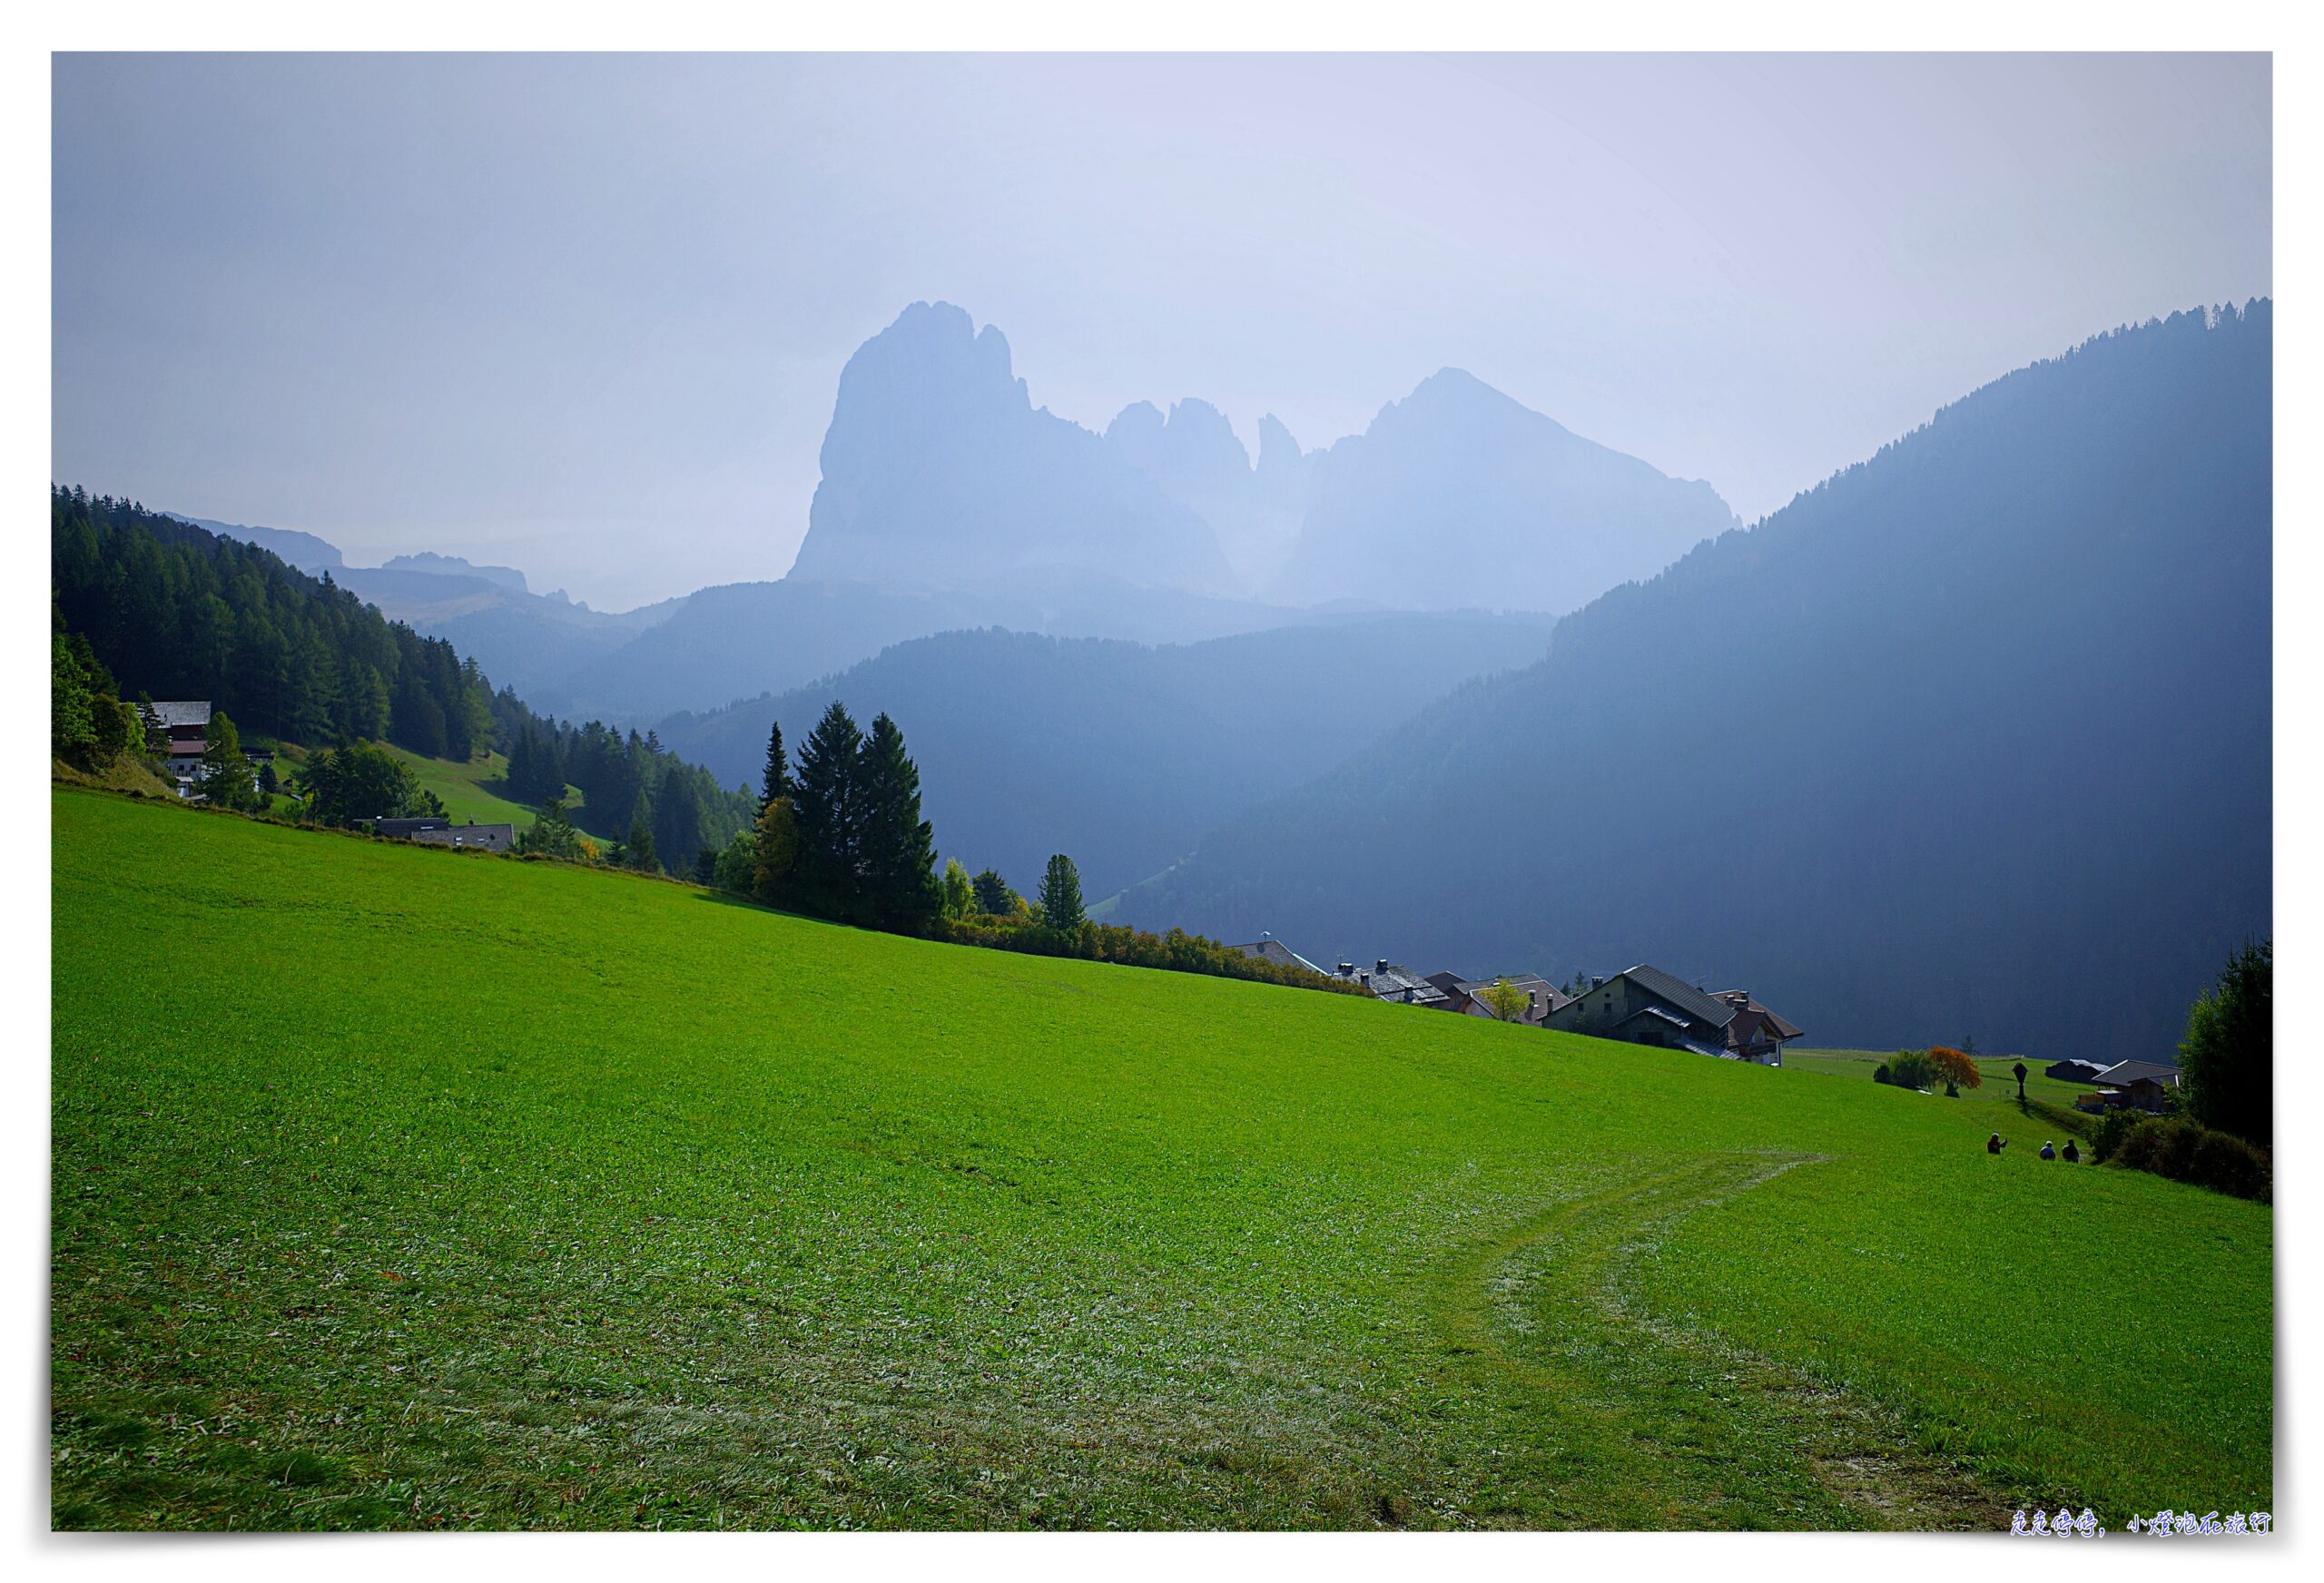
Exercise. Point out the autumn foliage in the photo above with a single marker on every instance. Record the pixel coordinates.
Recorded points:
(1954, 1066)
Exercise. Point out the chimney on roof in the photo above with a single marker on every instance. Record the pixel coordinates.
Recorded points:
(1381, 966)
(1346, 968)
(1596, 982)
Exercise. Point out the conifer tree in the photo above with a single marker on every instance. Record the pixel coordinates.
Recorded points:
(1061, 898)
(552, 835)
(2227, 1059)
(827, 813)
(777, 782)
(897, 846)
(638, 850)
(993, 894)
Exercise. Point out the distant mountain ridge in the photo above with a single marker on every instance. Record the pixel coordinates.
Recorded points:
(1195, 457)
(1458, 494)
(528, 641)
(310, 555)
(949, 500)
(1972, 740)
(938, 472)
(456, 566)
(1120, 753)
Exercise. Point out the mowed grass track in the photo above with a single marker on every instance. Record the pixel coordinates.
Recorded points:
(396, 1187)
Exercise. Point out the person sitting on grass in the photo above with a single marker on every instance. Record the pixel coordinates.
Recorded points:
(1994, 1145)
(2047, 1152)
(2073, 1154)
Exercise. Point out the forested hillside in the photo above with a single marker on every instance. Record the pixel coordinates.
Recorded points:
(1120, 753)
(174, 611)
(1970, 742)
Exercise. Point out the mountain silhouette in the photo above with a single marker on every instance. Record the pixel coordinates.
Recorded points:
(1458, 496)
(1971, 742)
(938, 471)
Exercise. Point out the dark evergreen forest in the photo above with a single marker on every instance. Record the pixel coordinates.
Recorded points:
(174, 611)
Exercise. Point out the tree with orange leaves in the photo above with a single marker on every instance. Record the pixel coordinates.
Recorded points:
(1954, 1066)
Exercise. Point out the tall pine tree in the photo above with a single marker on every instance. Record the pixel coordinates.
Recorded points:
(1061, 899)
(827, 813)
(898, 847)
(778, 770)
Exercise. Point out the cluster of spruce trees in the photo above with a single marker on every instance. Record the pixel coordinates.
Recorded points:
(183, 612)
(842, 837)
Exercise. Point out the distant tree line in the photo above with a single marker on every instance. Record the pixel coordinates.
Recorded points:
(634, 791)
(190, 614)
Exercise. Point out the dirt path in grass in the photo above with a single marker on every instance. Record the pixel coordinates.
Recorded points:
(1682, 1427)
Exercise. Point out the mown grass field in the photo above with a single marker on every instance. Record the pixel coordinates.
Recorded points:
(575, 1199)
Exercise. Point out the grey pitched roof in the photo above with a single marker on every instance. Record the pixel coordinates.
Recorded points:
(2123, 1073)
(1710, 1009)
(1271, 949)
(184, 713)
(1399, 984)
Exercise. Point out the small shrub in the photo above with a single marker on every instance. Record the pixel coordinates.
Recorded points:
(2230, 1164)
(1880, 1072)
(1912, 1069)
(2183, 1151)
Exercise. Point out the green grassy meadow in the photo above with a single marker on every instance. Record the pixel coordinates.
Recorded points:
(463, 787)
(575, 1199)
(2048, 1112)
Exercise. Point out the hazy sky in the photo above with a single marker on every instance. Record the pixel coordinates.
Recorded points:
(586, 315)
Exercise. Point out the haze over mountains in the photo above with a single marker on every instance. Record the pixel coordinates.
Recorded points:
(524, 640)
(949, 501)
(1971, 742)
(1507, 506)
(1123, 754)
(940, 472)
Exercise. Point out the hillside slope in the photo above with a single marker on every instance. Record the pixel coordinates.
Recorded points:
(1119, 754)
(594, 1201)
(1971, 742)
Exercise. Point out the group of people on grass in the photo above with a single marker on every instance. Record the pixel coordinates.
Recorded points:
(2073, 1155)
